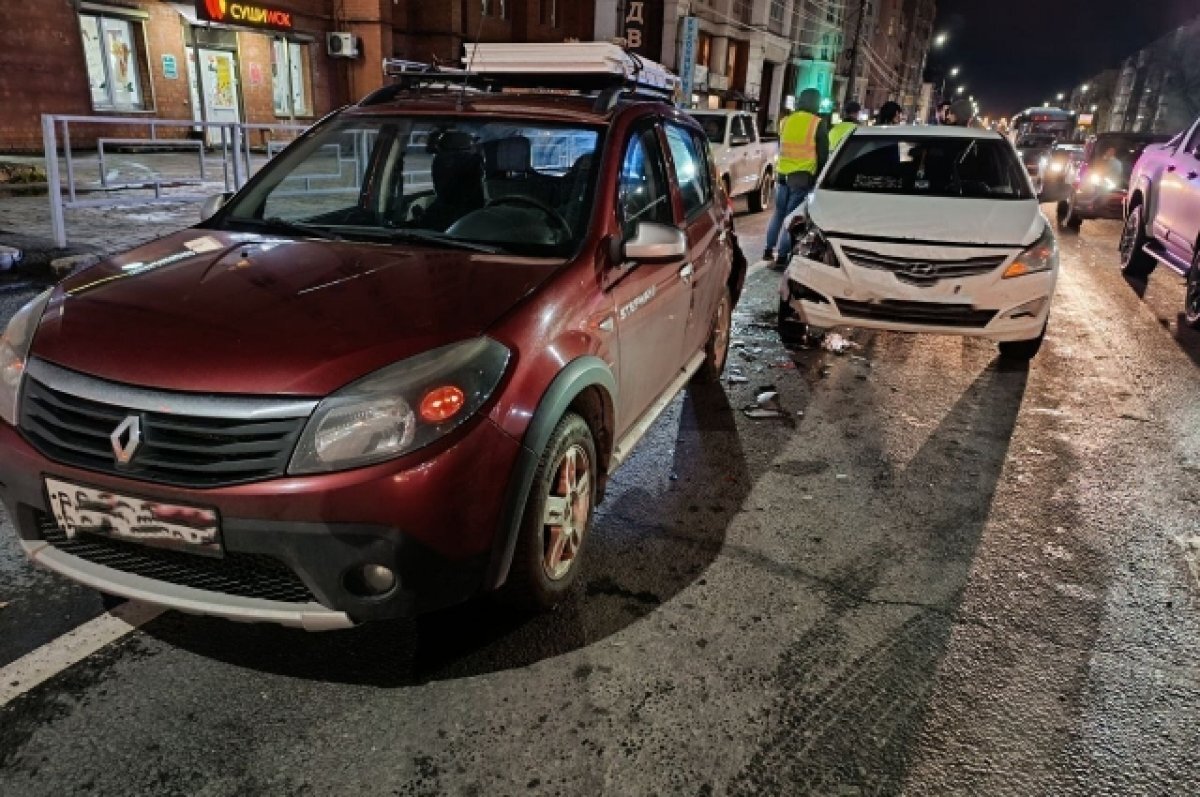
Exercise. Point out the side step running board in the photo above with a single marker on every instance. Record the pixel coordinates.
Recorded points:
(625, 445)
(1166, 260)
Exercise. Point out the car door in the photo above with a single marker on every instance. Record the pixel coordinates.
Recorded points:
(753, 159)
(708, 257)
(1171, 222)
(652, 301)
(1187, 223)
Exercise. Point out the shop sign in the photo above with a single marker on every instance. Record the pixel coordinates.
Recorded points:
(248, 15)
(689, 40)
(170, 67)
(635, 25)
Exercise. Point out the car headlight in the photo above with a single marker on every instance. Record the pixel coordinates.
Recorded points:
(1057, 167)
(813, 245)
(14, 351)
(400, 408)
(1042, 256)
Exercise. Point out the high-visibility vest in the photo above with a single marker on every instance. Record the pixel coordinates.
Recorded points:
(840, 131)
(798, 143)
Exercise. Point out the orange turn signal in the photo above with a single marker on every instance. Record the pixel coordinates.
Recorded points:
(442, 404)
(1017, 269)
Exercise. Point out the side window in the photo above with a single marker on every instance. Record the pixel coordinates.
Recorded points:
(691, 169)
(643, 193)
(737, 132)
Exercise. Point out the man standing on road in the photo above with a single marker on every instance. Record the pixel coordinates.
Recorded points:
(845, 127)
(961, 113)
(803, 150)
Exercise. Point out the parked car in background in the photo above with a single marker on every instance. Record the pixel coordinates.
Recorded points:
(1162, 214)
(322, 407)
(924, 229)
(744, 160)
(1033, 149)
(1056, 169)
(1097, 186)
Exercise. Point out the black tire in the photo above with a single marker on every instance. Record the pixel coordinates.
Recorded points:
(716, 348)
(534, 583)
(792, 331)
(1191, 301)
(1134, 261)
(1022, 351)
(1067, 218)
(760, 199)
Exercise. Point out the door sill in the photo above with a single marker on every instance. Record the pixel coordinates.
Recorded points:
(627, 443)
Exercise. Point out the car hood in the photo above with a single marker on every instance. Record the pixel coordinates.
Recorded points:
(233, 313)
(953, 220)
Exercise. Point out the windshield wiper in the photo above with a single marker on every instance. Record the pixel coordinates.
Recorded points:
(434, 237)
(955, 179)
(294, 227)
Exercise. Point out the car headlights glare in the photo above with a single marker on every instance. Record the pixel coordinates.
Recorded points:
(400, 408)
(14, 351)
(1042, 256)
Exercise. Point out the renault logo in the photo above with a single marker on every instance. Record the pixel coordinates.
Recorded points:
(126, 439)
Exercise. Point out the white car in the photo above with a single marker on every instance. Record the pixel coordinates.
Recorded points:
(924, 229)
(745, 160)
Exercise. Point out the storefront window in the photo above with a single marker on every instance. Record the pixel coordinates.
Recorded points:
(495, 8)
(289, 78)
(114, 59)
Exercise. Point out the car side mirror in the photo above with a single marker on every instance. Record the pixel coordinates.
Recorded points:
(213, 204)
(656, 244)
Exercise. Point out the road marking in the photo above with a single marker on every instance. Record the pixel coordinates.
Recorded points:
(38, 666)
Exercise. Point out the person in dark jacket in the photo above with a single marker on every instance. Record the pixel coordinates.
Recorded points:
(890, 114)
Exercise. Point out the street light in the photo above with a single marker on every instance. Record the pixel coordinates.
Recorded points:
(941, 39)
(1061, 96)
(1095, 108)
(961, 89)
(954, 72)
(1084, 88)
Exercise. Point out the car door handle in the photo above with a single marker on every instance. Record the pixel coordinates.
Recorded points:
(686, 272)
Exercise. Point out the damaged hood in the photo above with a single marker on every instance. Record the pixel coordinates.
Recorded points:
(951, 220)
(225, 312)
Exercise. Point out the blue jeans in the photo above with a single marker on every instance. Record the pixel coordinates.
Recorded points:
(786, 202)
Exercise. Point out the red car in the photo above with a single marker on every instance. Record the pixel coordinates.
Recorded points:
(399, 365)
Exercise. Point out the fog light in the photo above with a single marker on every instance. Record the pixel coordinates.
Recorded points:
(1029, 309)
(370, 580)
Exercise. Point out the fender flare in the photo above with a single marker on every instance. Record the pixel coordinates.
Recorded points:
(580, 374)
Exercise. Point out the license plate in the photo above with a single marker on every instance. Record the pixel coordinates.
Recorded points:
(87, 510)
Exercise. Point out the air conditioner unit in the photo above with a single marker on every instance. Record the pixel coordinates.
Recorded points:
(342, 45)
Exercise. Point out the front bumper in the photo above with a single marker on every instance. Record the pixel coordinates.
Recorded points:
(430, 517)
(978, 306)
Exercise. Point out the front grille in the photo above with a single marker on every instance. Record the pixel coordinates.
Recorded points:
(242, 574)
(924, 272)
(183, 450)
(930, 313)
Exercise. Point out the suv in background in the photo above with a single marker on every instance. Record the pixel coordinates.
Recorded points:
(745, 162)
(1162, 214)
(395, 370)
(1096, 188)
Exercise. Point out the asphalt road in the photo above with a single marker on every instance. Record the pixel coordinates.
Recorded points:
(935, 576)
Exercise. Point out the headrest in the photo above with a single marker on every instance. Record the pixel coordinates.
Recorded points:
(513, 154)
(454, 141)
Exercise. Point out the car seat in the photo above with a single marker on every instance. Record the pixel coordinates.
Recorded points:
(458, 180)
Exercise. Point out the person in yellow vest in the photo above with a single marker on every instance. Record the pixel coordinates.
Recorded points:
(845, 127)
(803, 150)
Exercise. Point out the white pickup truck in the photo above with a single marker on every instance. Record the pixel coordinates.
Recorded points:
(744, 160)
(1162, 214)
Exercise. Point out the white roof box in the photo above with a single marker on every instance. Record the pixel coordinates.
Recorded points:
(559, 60)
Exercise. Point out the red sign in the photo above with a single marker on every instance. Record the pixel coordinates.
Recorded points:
(249, 15)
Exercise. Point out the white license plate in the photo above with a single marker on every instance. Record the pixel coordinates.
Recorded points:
(87, 510)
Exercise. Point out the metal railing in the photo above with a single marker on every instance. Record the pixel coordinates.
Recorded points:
(230, 143)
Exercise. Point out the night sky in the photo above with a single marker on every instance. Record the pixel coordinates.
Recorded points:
(1017, 53)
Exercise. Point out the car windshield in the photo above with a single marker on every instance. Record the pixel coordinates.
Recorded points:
(714, 126)
(928, 166)
(495, 185)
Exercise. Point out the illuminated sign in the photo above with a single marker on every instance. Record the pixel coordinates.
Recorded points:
(249, 15)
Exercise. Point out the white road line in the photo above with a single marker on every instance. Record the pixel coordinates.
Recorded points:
(50, 659)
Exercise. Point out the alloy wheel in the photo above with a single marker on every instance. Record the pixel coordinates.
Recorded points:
(568, 508)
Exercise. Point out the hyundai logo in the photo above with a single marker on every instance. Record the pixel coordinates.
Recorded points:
(126, 439)
(921, 269)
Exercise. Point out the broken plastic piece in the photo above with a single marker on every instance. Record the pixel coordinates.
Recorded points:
(838, 344)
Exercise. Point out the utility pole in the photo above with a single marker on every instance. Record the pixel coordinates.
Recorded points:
(858, 32)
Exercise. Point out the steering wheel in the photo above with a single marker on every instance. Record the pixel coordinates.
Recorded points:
(521, 199)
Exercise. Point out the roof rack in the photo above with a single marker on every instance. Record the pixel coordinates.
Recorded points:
(598, 69)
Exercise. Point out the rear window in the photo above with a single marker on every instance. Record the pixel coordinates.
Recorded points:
(714, 126)
(928, 166)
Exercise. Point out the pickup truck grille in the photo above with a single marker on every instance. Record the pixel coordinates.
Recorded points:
(71, 426)
(924, 272)
(925, 313)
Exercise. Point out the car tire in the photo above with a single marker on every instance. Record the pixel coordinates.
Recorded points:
(1191, 302)
(716, 348)
(564, 487)
(792, 331)
(1022, 351)
(1068, 221)
(760, 200)
(1134, 261)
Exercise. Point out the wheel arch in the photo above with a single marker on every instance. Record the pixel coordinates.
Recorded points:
(586, 386)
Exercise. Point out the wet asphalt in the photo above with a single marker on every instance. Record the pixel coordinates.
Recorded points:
(934, 575)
